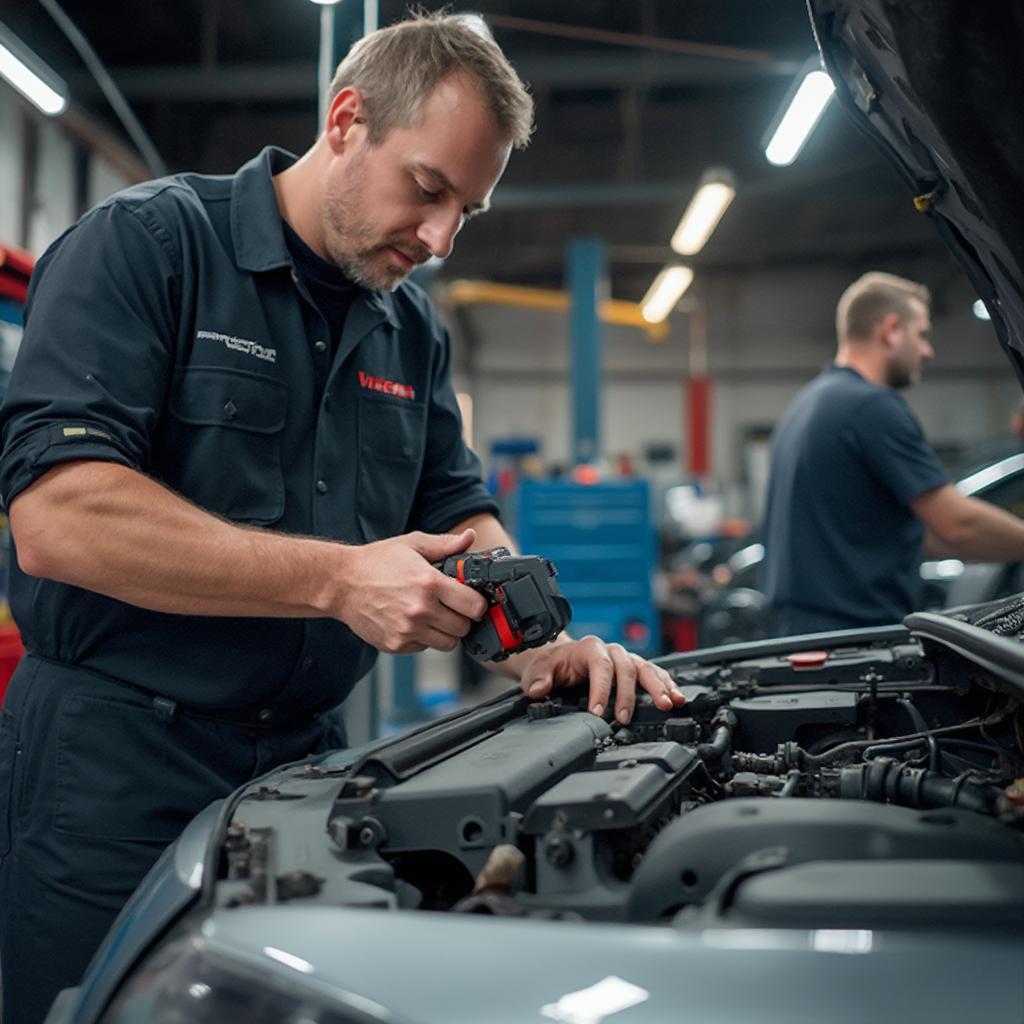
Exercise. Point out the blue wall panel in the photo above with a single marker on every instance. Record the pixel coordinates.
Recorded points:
(602, 540)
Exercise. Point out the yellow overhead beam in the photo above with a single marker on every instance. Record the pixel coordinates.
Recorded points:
(612, 311)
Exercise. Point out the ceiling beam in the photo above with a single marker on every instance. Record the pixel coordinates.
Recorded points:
(296, 80)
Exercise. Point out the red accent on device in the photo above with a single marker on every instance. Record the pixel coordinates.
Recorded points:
(509, 639)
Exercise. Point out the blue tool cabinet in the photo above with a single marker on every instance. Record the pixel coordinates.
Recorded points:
(601, 538)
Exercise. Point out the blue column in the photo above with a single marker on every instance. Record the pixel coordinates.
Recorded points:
(587, 287)
(405, 704)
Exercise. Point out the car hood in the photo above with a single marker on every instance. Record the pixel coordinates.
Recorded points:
(936, 83)
(462, 970)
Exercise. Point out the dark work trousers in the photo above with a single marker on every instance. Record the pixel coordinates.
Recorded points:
(95, 780)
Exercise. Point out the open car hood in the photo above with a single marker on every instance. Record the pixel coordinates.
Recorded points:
(937, 84)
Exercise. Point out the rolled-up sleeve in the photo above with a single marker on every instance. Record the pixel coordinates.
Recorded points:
(450, 488)
(92, 370)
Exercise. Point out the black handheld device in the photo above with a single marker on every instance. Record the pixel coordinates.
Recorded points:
(526, 608)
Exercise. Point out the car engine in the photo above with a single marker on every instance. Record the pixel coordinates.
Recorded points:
(842, 780)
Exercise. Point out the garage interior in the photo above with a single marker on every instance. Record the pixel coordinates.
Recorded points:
(636, 104)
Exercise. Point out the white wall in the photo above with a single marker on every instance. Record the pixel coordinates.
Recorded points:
(55, 205)
(54, 191)
(103, 180)
(519, 377)
(768, 334)
(10, 168)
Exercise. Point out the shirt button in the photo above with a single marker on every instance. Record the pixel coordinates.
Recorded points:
(307, 663)
(321, 486)
(320, 346)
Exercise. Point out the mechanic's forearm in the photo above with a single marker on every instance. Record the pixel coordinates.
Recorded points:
(109, 529)
(984, 533)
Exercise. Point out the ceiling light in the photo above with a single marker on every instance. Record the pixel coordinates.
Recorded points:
(326, 3)
(801, 113)
(666, 290)
(30, 76)
(980, 310)
(712, 198)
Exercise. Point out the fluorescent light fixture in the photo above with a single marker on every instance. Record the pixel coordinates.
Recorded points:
(802, 111)
(325, 3)
(980, 310)
(666, 290)
(30, 76)
(712, 198)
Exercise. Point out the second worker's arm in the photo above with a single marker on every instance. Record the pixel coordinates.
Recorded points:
(968, 528)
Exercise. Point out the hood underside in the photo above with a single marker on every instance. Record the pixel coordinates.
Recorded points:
(937, 84)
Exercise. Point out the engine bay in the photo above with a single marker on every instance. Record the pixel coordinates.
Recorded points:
(842, 781)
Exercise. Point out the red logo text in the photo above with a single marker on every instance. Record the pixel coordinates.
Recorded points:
(387, 387)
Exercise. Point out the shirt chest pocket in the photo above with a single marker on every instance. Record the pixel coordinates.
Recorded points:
(228, 425)
(391, 441)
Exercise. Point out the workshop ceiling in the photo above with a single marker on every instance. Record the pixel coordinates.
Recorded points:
(634, 100)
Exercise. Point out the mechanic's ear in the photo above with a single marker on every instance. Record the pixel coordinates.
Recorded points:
(890, 331)
(345, 116)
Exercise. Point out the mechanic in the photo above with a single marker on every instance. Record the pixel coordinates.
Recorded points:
(854, 491)
(231, 452)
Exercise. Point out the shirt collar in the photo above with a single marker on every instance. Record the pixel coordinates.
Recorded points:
(256, 223)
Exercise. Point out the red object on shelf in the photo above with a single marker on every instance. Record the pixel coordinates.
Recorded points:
(13, 287)
(11, 650)
(15, 270)
(679, 632)
(16, 262)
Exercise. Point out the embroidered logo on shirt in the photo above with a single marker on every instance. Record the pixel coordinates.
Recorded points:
(250, 348)
(387, 387)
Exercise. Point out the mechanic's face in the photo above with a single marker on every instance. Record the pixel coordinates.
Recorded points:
(391, 206)
(910, 347)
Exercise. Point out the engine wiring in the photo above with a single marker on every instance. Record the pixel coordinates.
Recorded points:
(852, 746)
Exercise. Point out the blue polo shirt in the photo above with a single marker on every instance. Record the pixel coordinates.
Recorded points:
(168, 331)
(842, 545)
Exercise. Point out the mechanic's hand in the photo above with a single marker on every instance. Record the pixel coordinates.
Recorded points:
(393, 598)
(563, 664)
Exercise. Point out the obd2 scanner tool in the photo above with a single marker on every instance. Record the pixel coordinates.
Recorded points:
(526, 608)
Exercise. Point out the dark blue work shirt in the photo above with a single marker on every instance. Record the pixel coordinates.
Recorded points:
(842, 545)
(169, 332)
(328, 287)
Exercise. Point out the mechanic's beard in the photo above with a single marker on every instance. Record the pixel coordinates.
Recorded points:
(353, 246)
(898, 376)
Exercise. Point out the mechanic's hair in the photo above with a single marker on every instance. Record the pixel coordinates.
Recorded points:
(871, 298)
(397, 68)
